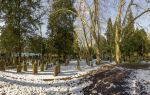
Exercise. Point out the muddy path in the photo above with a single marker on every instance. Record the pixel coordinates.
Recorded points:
(118, 81)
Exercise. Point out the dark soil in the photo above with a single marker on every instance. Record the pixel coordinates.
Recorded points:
(135, 66)
(110, 82)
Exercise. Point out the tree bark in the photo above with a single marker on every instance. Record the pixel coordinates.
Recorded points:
(97, 31)
(117, 34)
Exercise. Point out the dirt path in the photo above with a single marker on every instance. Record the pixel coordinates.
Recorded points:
(119, 81)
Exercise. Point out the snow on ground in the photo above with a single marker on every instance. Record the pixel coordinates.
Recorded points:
(139, 82)
(26, 83)
(12, 86)
(66, 71)
(145, 62)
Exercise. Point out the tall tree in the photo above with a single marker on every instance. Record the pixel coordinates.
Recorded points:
(128, 32)
(118, 33)
(140, 42)
(35, 44)
(120, 26)
(110, 35)
(61, 27)
(21, 16)
(96, 30)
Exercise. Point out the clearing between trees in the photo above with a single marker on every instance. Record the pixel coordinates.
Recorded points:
(106, 79)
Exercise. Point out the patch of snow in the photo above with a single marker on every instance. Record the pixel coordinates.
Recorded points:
(104, 61)
(139, 81)
(94, 91)
(27, 87)
(111, 85)
(100, 94)
(66, 71)
(145, 62)
(133, 87)
(26, 83)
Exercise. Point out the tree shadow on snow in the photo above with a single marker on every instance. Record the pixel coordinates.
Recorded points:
(44, 84)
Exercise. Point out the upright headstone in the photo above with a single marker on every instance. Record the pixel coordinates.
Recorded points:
(2, 67)
(24, 66)
(19, 68)
(35, 67)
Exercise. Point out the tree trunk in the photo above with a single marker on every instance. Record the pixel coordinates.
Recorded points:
(117, 34)
(78, 63)
(20, 51)
(98, 57)
(118, 52)
(97, 31)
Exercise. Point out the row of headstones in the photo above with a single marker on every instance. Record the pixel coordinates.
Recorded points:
(35, 65)
(16, 60)
(42, 68)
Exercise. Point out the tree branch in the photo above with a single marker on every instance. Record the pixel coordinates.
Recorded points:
(148, 10)
(129, 6)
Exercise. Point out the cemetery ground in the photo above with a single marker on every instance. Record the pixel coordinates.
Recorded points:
(61, 47)
(105, 79)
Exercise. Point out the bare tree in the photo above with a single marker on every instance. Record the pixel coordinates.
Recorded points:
(120, 26)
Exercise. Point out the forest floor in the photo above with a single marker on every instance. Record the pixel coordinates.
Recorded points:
(106, 79)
